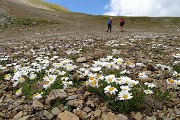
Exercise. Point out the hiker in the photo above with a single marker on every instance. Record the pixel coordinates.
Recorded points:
(122, 22)
(109, 24)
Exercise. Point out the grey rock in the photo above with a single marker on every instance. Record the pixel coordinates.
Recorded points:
(97, 113)
(90, 103)
(109, 116)
(48, 114)
(72, 97)
(87, 109)
(18, 116)
(81, 114)
(122, 117)
(75, 103)
(81, 60)
(17, 103)
(66, 115)
(151, 118)
(25, 117)
(56, 111)
(28, 108)
(138, 116)
(37, 105)
(151, 67)
(2, 114)
(177, 111)
(71, 89)
(56, 94)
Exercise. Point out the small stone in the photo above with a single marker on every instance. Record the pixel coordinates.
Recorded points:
(18, 116)
(171, 112)
(122, 117)
(87, 109)
(81, 60)
(25, 117)
(75, 103)
(66, 115)
(72, 97)
(81, 97)
(48, 114)
(138, 116)
(56, 111)
(28, 108)
(86, 93)
(81, 114)
(151, 118)
(37, 105)
(178, 105)
(97, 113)
(80, 90)
(151, 67)
(109, 116)
(90, 103)
(2, 114)
(177, 111)
(71, 89)
(24, 113)
(92, 118)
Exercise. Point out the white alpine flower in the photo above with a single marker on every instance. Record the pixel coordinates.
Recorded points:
(110, 89)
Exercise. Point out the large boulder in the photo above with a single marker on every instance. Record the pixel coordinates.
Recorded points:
(66, 115)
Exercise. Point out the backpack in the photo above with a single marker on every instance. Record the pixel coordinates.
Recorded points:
(109, 21)
(123, 22)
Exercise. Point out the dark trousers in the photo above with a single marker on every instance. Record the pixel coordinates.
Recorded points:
(109, 27)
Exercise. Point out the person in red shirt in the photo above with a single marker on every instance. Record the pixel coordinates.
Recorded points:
(122, 22)
(109, 24)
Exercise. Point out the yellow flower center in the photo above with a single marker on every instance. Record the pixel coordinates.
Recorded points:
(110, 79)
(118, 79)
(128, 63)
(57, 64)
(87, 83)
(119, 61)
(170, 80)
(94, 82)
(36, 94)
(6, 76)
(21, 79)
(91, 78)
(126, 81)
(18, 91)
(125, 96)
(98, 76)
(109, 64)
(47, 82)
(51, 79)
(111, 88)
(69, 66)
(125, 89)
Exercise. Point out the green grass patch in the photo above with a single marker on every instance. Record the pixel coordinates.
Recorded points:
(27, 89)
(56, 85)
(176, 68)
(31, 22)
(57, 103)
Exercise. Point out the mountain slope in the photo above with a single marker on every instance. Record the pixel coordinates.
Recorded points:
(41, 4)
(28, 8)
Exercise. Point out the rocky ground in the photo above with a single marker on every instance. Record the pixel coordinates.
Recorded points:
(84, 39)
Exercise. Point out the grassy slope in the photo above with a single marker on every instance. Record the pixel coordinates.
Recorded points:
(44, 5)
